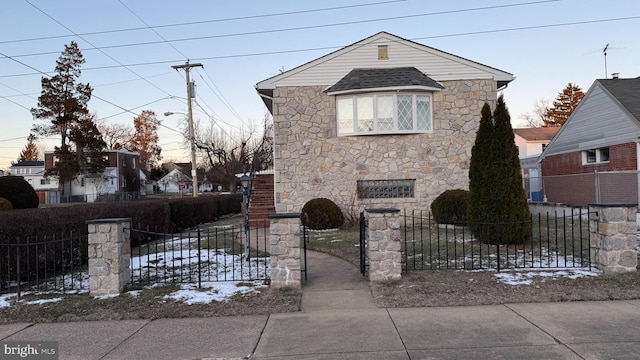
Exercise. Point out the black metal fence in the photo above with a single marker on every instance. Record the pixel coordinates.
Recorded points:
(40, 264)
(558, 240)
(206, 254)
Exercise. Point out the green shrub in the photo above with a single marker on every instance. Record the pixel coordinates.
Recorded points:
(18, 191)
(450, 207)
(321, 214)
(5, 204)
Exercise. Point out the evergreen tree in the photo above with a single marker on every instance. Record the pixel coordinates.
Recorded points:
(61, 104)
(479, 180)
(90, 146)
(30, 151)
(509, 205)
(496, 193)
(563, 106)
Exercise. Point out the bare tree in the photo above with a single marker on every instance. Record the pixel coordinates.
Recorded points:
(115, 135)
(228, 153)
(538, 117)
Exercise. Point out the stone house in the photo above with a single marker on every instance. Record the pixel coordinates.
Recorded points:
(383, 122)
(594, 156)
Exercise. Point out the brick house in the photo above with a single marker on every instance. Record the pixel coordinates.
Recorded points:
(382, 122)
(594, 156)
(121, 177)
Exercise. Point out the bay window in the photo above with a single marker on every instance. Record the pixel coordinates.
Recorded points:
(384, 113)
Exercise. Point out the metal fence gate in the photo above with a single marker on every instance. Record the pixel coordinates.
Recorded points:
(363, 244)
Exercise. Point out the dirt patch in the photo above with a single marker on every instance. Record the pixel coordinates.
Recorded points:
(149, 304)
(458, 288)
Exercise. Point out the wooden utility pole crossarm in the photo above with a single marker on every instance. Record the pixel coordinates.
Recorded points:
(194, 173)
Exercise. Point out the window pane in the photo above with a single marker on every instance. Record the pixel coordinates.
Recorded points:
(385, 113)
(345, 115)
(423, 113)
(405, 112)
(591, 156)
(365, 113)
(604, 154)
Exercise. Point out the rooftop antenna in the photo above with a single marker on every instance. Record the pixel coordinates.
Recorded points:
(604, 51)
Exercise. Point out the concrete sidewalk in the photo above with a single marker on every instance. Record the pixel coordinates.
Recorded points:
(339, 321)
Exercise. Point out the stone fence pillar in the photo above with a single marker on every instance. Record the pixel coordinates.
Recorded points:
(109, 256)
(285, 240)
(613, 233)
(383, 247)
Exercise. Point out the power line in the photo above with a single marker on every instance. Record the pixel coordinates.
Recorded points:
(220, 95)
(338, 47)
(262, 32)
(103, 52)
(203, 21)
(152, 29)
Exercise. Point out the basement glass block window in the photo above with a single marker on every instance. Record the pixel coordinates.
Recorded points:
(386, 189)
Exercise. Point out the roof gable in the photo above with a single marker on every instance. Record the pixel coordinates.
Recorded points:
(626, 92)
(329, 69)
(601, 119)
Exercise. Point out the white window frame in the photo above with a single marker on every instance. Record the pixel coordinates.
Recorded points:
(598, 156)
(374, 98)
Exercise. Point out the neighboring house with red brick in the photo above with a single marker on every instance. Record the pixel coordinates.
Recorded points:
(531, 142)
(121, 179)
(594, 156)
(383, 122)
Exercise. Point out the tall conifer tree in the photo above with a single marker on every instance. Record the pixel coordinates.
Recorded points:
(479, 181)
(496, 193)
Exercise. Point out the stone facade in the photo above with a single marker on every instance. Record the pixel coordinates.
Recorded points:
(614, 231)
(312, 161)
(383, 248)
(284, 237)
(109, 256)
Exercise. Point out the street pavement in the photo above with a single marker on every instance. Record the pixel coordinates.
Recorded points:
(339, 320)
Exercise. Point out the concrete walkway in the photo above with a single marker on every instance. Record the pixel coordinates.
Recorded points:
(338, 321)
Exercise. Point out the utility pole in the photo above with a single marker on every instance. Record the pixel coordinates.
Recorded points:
(194, 174)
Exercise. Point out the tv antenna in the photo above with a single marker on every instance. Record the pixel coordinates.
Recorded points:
(604, 51)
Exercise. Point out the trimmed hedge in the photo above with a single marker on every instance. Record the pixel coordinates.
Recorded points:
(450, 207)
(19, 192)
(321, 214)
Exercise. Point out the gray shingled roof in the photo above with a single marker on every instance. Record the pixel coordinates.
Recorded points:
(28, 163)
(626, 91)
(360, 79)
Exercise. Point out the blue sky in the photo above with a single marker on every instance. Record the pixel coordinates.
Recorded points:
(545, 44)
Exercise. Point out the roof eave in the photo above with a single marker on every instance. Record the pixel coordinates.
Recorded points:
(388, 89)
